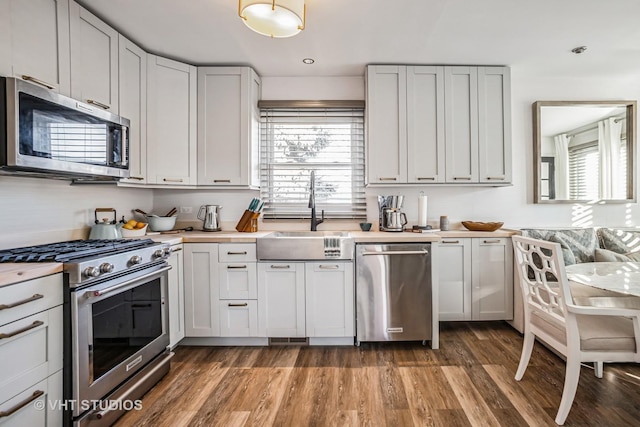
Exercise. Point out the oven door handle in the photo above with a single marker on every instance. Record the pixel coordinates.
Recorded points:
(114, 288)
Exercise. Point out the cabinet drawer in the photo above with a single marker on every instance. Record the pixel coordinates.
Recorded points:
(36, 405)
(31, 352)
(238, 280)
(238, 318)
(26, 298)
(232, 252)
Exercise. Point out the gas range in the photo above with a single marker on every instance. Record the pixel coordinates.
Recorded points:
(87, 261)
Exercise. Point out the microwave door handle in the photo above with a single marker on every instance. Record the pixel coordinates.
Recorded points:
(101, 292)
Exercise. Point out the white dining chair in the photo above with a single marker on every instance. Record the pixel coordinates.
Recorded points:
(580, 333)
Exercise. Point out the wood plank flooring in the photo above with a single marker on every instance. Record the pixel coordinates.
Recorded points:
(468, 382)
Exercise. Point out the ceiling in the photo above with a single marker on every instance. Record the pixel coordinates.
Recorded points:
(535, 36)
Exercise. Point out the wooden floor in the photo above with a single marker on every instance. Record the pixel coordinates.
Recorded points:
(468, 382)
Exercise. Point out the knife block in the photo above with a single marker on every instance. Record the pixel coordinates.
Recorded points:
(248, 222)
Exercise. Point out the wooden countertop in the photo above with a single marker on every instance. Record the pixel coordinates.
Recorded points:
(11, 273)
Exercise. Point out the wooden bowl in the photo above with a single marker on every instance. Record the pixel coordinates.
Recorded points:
(482, 226)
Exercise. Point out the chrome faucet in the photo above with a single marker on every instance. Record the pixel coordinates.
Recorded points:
(312, 203)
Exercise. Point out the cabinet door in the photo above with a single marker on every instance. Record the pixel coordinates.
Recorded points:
(425, 125)
(39, 32)
(171, 115)
(201, 292)
(329, 293)
(281, 299)
(94, 59)
(238, 280)
(224, 125)
(176, 296)
(494, 124)
(238, 318)
(45, 410)
(133, 105)
(454, 277)
(387, 124)
(492, 279)
(461, 124)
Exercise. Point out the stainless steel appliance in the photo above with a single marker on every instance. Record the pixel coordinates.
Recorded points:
(116, 322)
(210, 215)
(390, 213)
(43, 133)
(305, 245)
(393, 292)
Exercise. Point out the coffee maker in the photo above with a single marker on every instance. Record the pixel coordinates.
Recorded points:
(390, 213)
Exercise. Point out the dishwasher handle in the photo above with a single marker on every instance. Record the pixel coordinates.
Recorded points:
(421, 252)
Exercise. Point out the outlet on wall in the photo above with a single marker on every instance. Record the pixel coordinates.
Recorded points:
(186, 209)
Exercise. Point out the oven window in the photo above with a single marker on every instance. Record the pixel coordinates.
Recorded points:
(125, 323)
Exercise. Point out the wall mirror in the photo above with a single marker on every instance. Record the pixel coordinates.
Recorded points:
(584, 151)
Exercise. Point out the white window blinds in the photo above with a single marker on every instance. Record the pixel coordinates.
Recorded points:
(584, 162)
(296, 140)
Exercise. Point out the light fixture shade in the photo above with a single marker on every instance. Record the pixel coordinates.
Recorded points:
(275, 18)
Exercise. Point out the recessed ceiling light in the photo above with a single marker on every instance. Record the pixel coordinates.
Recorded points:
(578, 50)
(308, 60)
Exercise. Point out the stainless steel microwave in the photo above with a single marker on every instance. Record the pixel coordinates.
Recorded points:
(43, 133)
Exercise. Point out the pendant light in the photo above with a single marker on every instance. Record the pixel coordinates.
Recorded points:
(273, 18)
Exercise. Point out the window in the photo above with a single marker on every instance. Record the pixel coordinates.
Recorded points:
(296, 140)
(584, 172)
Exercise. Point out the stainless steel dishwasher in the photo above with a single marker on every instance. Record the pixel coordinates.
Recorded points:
(393, 292)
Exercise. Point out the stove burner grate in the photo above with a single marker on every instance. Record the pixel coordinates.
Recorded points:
(71, 250)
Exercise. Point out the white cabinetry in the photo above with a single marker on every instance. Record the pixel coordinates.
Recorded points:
(94, 59)
(228, 120)
(329, 294)
(132, 95)
(281, 299)
(176, 296)
(171, 118)
(238, 306)
(475, 279)
(31, 350)
(434, 124)
(201, 290)
(34, 42)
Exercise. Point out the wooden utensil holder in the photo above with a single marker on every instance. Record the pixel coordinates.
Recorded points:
(248, 222)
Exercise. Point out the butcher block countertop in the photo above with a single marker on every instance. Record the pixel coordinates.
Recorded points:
(11, 273)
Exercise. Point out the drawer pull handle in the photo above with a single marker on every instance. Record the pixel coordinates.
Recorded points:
(464, 178)
(244, 304)
(222, 180)
(38, 81)
(172, 179)
(387, 179)
(237, 266)
(237, 253)
(98, 104)
(492, 241)
(36, 394)
(21, 330)
(137, 178)
(426, 178)
(451, 241)
(280, 266)
(24, 301)
(497, 178)
(176, 250)
(330, 267)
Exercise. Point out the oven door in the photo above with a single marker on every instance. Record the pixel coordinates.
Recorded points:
(117, 327)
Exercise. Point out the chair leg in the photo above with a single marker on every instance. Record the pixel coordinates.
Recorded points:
(598, 368)
(571, 377)
(527, 349)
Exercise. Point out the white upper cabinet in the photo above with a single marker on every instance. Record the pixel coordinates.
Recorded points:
(94, 59)
(34, 42)
(227, 125)
(494, 124)
(386, 123)
(171, 120)
(438, 125)
(132, 77)
(425, 125)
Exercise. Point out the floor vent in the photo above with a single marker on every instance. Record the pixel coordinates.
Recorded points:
(288, 341)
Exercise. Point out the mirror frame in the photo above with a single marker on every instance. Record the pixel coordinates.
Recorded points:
(631, 107)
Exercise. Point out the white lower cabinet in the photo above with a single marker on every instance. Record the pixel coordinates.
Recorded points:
(475, 279)
(176, 296)
(313, 299)
(201, 290)
(238, 318)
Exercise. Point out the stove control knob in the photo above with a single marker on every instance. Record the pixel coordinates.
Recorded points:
(136, 259)
(167, 251)
(91, 272)
(158, 253)
(106, 267)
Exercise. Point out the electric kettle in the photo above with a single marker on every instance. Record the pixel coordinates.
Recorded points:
(210, 214)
